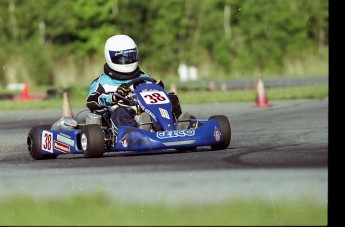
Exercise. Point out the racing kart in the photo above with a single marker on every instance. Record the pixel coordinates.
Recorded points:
(93, 135)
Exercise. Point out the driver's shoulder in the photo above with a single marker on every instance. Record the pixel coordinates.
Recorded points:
(143, 74)
(105, 79)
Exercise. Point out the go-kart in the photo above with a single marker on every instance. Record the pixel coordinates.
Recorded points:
(93, 135)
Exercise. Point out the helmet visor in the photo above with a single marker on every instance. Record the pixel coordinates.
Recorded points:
(124, 57)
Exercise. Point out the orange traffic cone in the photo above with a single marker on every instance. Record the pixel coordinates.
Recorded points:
(261, 97)
(66, 106)
(25, 92)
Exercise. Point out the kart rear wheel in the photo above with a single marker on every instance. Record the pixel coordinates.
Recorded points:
(92, 141)
(225, 129)
(34, 143)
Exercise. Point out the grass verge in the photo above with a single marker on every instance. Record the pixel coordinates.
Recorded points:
(78, 97)
(92, 210)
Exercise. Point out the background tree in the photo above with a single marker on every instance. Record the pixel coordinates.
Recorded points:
(54, 42)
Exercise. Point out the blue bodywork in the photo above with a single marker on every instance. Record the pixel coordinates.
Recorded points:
(130, 139)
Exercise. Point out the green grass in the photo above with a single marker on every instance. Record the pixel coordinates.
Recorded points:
(249, 95)
(96, 209)
(78, 97)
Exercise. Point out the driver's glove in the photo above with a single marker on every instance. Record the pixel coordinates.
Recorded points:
(121, 90)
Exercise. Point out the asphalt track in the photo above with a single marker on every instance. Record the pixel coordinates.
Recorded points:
(278, 152)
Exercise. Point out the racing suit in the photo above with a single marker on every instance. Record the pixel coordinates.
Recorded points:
(100, 96)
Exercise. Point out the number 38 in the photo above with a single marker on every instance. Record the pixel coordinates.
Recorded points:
(155, 97)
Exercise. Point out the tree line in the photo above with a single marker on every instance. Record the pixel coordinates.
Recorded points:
(222, 37)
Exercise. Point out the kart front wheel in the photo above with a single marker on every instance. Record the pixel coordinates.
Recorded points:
(34, 141)
(225, 129)
(92, 141)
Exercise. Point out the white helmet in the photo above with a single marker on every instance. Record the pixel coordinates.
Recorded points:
(121, 53)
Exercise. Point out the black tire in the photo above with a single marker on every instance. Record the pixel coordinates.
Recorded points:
(34, 143)
(225, 129)
(92, 141)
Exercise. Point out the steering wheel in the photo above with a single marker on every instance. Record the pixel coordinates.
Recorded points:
(139, 80)
(135, 82)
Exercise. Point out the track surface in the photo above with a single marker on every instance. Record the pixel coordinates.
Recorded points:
(279, 152)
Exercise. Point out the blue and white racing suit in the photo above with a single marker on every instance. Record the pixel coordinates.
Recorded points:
(100, 97)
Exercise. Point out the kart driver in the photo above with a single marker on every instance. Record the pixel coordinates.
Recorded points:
(122, 59)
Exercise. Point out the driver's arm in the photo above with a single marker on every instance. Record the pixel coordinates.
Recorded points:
(97, 97)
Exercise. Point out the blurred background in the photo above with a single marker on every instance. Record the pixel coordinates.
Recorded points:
(60, 43)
